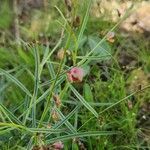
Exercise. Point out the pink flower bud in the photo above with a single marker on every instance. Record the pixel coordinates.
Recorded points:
(76, 74)
(58, 145)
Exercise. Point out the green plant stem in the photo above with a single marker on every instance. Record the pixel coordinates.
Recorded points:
(54, 83)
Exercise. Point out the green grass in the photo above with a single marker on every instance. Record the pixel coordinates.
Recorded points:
(94, 112)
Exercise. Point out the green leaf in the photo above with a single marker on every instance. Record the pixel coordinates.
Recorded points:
(91, 103)
(51, 70)
(25, 57)
(84, 22)
(42, 97)
(83, 134)
(102, 50)
(75, 146)
(83, 101)
(5, 130)
(45, 130)
(16, 81)
(87, 92)
(10, 114)
(67, 123)
(63, 121)
(4, 126)
(48, 54)
(36, 87)
(30, 143)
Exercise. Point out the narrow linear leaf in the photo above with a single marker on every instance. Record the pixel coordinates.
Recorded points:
(45, 130)
(91, 103)
(83, 101)
(5, 131)
(42, 97)
(36, 85)
(94, 57)
(61, 78)
(87, 92)
(16, 81)
(14, 126)
(67, 123)
(30, 143)
(84, 22)
(10, 114)
(46, 57)
(51, 70)
(29, 130)
(66, 118)
(63, 121)
(84, 134)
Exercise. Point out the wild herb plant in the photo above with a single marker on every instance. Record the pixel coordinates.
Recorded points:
(54, 97)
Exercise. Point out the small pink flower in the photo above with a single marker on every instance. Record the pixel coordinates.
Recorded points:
(76, 74)
(58, 145)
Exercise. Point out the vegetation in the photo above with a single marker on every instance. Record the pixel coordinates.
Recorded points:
(45, 104)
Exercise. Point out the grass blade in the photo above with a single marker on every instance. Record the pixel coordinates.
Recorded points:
(67, 117)
(6, 130)
(63, 121)
(12, 117)
(45, 130)
(36, 86)
(51, 70)
(84, 22)
(83, 101)
(67, 123)
(16, 81)
(84, 134)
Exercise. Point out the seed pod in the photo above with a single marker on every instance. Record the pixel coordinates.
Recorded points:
(111, 37)
(49, 126)
(130, 104)
(55, 116)
(76, 22)
(57, 100)
(68, 4)
(60, 54)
